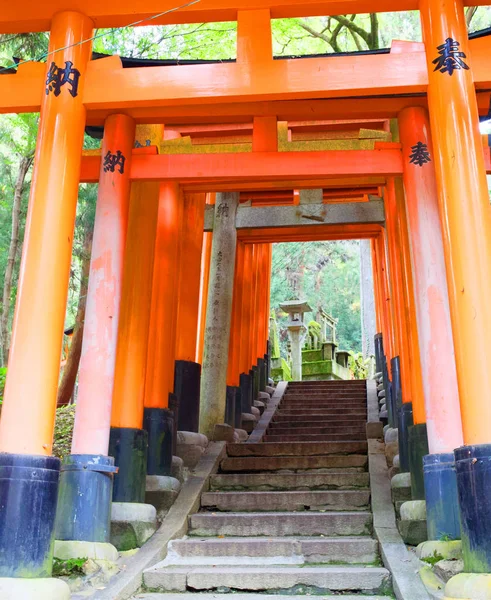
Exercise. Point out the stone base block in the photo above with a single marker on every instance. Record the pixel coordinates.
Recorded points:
(386, 427)
(66, 549)
(414, 510)
(384, 415)
(374, 430)
(391, 449)
(401, 487)
(255, 412)
(447, 550)
(132, 524)
(271, 382)
(469, 586)
(248, 422)
(391, 435)
(177, 468)
(396, 462)
(393, 471)
(190, 454)
(260, 405)
(413, 532)
(192, 438)
(223, 433)
(446, 569)
(161, 492)
(270, 390)
(264, 397)
(33, 589)
(242, 435)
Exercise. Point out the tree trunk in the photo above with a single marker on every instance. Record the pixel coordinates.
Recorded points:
(25, 164)
(67, 384)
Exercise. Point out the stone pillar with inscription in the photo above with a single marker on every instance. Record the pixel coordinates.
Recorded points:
(218, 317)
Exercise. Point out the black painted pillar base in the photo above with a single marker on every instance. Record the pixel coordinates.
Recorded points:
(396, 396)
(418, 447)
(238, 408)
(84, 498)
(379, 352)
(230, 406)
(129, 447)
(173, 405)
(187, 382)
(442, 505)
(405, 421)
(388, 392)
(261, 375)
(473, 468)
(159, 425)
(246, 392)
(255, 383)
(28, 499)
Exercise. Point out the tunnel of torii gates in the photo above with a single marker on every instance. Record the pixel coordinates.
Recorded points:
(383, 146)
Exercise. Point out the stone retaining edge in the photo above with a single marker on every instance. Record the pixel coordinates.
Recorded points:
(175, 525)
(402, 565)
(263, 423)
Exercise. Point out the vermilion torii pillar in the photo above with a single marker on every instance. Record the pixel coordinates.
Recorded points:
(245, 365)
(443, 420)
(187, 370)
(28, 495)
(465, 217)
(218, 316)
(84, 511)
(128, 439)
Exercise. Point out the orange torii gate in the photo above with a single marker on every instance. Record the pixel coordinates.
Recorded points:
(449, 76)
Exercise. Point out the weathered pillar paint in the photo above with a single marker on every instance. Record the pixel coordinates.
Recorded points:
(217, 332)
(29, 475)
(159, 377)
(441, 395)
(85, 494)
(98, 359)
(203, 290)
(28, 409)
(191, 240)
(128, 441)
(247, 311)
(466, 227)
(187, 376)
(159, 380)
(233, 371)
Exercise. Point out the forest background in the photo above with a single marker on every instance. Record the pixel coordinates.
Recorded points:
(326, 274)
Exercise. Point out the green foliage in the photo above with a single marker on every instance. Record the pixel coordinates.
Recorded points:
(3, 377)
(432, 560)
(359, 365)
(62, 440)
(66, 568)
(327, 275)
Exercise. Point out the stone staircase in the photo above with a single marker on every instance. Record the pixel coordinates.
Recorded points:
(290, 515)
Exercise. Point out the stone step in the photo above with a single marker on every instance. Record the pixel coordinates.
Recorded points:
(318, 410)
(303, 550)
(289, 481)
(280, 524)
(332, 579)
(348, 420)
(331, 430)
(314, 437)
(191, 596)
(326, 395)
(297, 449)
(286, 501)
(333, 427)
(335, 402)
(274, 463)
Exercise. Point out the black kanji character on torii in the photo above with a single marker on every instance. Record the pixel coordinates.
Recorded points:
(451, 58)
(58, 77)
(111, 161)
(419, 154)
